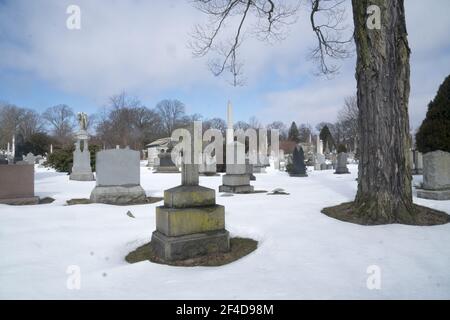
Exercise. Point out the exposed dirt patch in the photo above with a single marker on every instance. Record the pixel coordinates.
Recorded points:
(46, 200)
(239, 247)
(148, 200)
(424, 216)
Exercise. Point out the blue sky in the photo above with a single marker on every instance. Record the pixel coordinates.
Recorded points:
(141, 47)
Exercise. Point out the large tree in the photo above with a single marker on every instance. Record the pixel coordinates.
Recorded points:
(126, 122)
(61, 120)
(383, 74)
(171, 113)
(21, 122)
(384, 183)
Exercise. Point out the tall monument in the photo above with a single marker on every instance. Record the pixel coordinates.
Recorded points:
(190, 223)
(230, 131)
(319, 159)
(81, 169)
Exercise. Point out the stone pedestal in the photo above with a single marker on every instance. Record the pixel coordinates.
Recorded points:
(120, 195)
(81, 169)
(236, 183)
(436, 176)
(237, 178)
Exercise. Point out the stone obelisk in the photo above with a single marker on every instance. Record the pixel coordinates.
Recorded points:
(230, 131)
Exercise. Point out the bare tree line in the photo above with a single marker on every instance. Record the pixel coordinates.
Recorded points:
(124, 120)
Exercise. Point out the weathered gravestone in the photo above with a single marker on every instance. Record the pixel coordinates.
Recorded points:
(166, 165)
(341, 167)
(17, 184)
(298, 167)
(237, 177)
(190, 223)
(118, 177)
(152, 155)
(436, 176)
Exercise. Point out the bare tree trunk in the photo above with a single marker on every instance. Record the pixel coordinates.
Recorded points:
(384, 180)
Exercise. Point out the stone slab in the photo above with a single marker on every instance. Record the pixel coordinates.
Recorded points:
(433, 194)
(189, 196)
(178, 222)
(190, 246)
(236, 169)
(117, 167)
(236, 189)
(167, 170)
(118, 195)
(78, 176)
(235, 179)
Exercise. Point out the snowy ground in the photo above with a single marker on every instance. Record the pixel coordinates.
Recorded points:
(302, 254)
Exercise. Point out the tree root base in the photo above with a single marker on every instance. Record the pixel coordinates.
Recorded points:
(239, 248)
(423, 216)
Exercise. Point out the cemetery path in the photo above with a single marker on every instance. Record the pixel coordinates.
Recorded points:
(302, 254)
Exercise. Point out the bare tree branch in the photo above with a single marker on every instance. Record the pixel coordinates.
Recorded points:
(271, 20)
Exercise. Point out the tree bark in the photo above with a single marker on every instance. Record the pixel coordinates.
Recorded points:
(382, 72)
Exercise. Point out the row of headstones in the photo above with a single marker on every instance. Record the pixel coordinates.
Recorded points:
(163, 163)
(30, 158)
(299, 167)
(118, 176)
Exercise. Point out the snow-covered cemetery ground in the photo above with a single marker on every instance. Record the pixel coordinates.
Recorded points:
(301, 254)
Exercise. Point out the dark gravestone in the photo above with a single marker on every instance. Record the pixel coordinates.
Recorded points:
(298, 163)
(166, 165)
